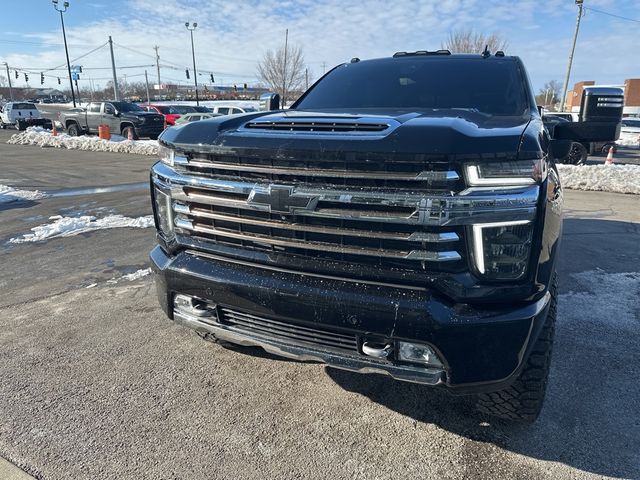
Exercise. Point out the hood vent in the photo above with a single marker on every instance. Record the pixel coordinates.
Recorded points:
(318, 126)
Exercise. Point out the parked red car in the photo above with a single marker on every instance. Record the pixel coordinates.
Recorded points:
(171, 112)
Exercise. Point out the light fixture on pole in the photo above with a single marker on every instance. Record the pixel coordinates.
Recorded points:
(191, 28)
(63, 9)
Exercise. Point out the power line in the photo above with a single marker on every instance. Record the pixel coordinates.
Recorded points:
(611, 14)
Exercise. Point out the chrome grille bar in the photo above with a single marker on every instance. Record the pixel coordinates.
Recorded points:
(428, 237)
(418, 255)
(428, 176)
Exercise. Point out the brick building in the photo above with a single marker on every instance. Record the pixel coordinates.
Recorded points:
(631, 88)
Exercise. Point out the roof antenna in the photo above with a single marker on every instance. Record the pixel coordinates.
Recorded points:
(486, 53)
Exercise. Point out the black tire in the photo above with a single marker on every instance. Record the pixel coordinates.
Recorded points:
(73, 129)
(20, 125)
(523, 400)
(125, 132)
(577, 155)
(605, 148)
(154, 137)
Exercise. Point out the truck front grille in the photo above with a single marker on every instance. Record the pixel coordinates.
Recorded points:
(266, 328)
(388, 218)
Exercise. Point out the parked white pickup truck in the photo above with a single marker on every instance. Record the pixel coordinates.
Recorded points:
(21, 115)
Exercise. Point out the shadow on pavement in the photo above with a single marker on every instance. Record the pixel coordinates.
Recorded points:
(17, 203)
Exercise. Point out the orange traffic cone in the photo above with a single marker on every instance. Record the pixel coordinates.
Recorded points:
(54, 130)
(609, 160)
(129, 134)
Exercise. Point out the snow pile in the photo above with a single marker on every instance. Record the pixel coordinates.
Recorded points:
(136, 275)
(603, 178)
(131, 276)
(44, 138)
(69, 226)
(628, 139)
(9, 194)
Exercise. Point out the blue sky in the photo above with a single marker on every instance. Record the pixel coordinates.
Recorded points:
(233, 35)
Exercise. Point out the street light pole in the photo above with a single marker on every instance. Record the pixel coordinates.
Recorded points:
(193, 54)
(65, 5)
(573, 48)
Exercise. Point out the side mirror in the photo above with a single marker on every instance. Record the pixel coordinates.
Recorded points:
(559, 149)
(269, 101)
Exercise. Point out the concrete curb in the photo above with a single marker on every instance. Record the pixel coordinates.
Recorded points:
(8, 471)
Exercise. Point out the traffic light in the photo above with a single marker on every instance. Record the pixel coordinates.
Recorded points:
(186, 72)
(235, 87)
(16, 74)
(245, 86)
(26, 78)
(80, 68)
(58, 80)
(212, 80)
(41, 78)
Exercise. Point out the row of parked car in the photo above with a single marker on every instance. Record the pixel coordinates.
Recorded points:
(177, 114)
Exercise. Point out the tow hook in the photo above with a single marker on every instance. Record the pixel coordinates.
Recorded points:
(377, 350)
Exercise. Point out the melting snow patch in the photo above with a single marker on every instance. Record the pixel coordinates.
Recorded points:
(9, 194)
(604, 178)
(69, 226)
(137, 274)
(44, 138)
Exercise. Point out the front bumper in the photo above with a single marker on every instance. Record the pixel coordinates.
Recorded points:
(144, 130)
(483, 349)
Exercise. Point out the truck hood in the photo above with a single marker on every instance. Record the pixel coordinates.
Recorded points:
(437, 132)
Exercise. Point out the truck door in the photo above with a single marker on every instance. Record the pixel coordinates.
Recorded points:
(93, 117)
(109, 118)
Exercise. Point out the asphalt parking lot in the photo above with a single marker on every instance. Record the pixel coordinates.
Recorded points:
(96, 383)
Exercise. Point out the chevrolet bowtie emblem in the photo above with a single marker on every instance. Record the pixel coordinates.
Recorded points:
(282, 199)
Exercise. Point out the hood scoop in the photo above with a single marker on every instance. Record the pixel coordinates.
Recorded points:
(320, 125)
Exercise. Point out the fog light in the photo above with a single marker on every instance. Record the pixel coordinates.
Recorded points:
(418, 353)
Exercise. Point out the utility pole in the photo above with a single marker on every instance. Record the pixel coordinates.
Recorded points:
(324, 67)
(65, 5)
(193, 54)
(158, 68)
(113, 69)
(146, 80)
(284, 68)
(9, 79)
(573, 47)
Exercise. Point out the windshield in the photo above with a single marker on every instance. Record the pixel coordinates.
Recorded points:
(492, 86)
(24, 106)
(182, 109)
(127, 107)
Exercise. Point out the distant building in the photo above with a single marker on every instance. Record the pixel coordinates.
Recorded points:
(49, 94)
(631, 88)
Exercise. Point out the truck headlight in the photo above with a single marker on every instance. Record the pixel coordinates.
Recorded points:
(163, 213)
(501, 250)
(167, 155)
(508, 173)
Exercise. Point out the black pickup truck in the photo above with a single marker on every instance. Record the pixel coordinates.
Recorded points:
(121, 117)
(402, 217)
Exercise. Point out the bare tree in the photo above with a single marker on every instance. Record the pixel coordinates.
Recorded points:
(276, 73)
(469, 41)
(549, 94)
(3, 81)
